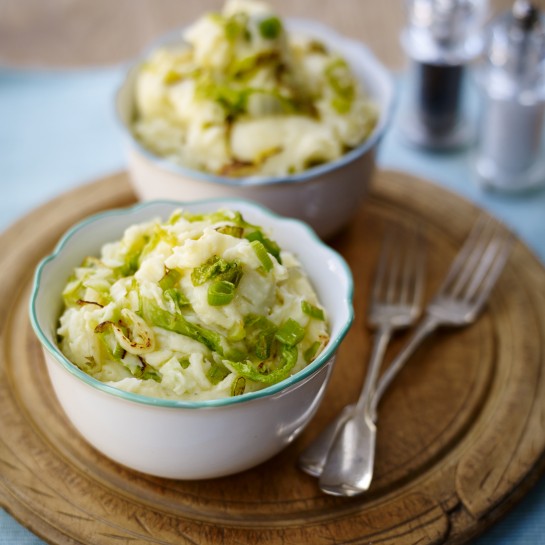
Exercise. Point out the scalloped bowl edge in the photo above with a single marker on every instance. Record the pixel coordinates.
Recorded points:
(133, 429)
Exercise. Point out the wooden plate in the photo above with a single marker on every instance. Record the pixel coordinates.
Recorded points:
(461, 434)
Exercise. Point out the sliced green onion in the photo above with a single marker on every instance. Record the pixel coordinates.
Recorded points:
(236, 27)
(259, 335)
(290, 332)
(270, 28)
(175, 217)
(288, 359)
(184, 362)
(171, 77)
(131, 264)
(262, 254)
(311, 351)
(217, 373)
(231, 230)
(207, 270)
(170, 279)
(237, 332)
(312, 311)
(159, 234)
(271, 246)
(178, 298)
(341, 105)
(232, 353)
(238, 386)
(339, 77)
(220, 293)
(263, 345)
(233, 101)
(218, 268)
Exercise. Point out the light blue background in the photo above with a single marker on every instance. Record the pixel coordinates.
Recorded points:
(58, 130)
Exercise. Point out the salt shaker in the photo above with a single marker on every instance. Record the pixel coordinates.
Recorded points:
(512, 84)
(441, 38)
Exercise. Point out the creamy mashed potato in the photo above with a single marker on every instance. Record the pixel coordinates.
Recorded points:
(239, 96)
(197, 307)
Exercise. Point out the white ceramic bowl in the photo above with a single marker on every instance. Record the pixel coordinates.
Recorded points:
(326, 196)
(181, 439)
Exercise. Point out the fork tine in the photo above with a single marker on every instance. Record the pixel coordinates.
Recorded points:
(465, 260)
(498, 264)
(394, 268)
(485, 263)
(380, 273)
(412, 271)
(384, 284)
(419, 257)
(407, 271)
(474, 261)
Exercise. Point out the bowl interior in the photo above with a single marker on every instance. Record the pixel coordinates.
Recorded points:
(327, 270)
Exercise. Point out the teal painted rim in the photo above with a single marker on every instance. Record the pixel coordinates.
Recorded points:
(287, 383)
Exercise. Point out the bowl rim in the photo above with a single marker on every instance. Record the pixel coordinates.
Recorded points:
(310, 174)
(277, 388)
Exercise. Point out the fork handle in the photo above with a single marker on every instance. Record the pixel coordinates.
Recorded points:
(380, 343)
(313, 458)
(427, 326)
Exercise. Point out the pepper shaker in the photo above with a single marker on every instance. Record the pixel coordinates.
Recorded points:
(512, 85)
(441, 38)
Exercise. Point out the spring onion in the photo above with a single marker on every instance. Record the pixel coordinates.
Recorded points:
(270, 28)
(271, 246)
(288, 359)
(217, 373)
(312, 310)
(170, 279)
(310, 353)
(238, 386)
(220, 293)
(184, 362)
(290, 332)
(259, 335)
(262, 254)
(217, 268)
(178, 299)
(231, 230)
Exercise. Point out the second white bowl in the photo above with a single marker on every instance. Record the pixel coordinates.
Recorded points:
(326, 196)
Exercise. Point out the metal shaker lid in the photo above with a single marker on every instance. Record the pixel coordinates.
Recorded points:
(443, 31)
(515, 48)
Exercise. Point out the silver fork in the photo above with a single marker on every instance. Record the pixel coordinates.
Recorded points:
(395, 304)
(458, 302)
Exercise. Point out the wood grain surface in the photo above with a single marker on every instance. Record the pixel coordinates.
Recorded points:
(70, 33)
(461, 431)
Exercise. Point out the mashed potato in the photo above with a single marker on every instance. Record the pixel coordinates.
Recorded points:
(198, 307)
(241, 97)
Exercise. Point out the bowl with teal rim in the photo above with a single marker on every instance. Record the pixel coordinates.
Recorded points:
(326, 196)
(182, 439)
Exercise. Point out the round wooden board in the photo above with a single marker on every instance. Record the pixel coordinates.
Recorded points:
(461, 434)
